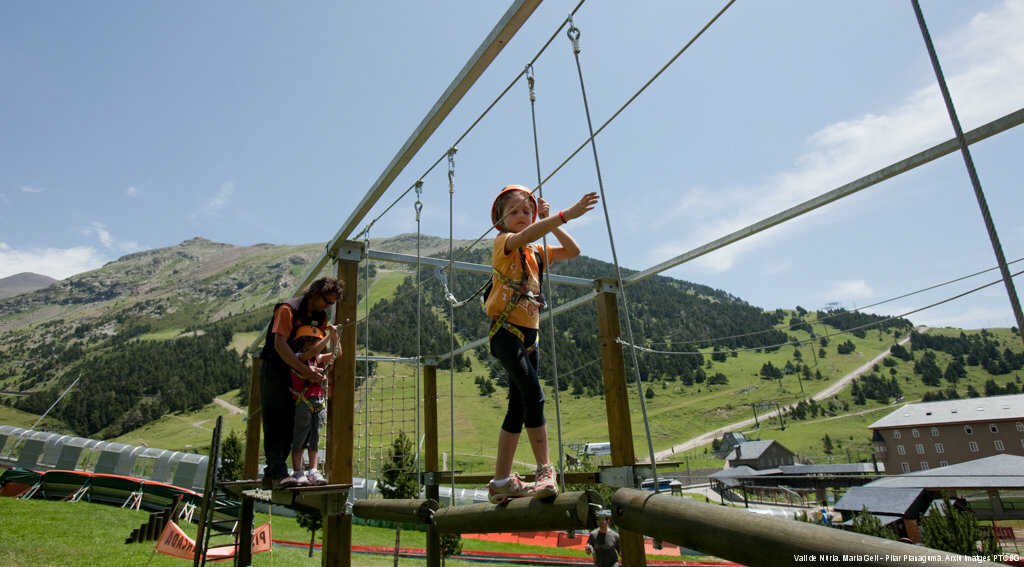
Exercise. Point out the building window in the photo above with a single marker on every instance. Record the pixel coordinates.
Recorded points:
(993, 428)
(900, 450)
(943, 463)
(896, 434)
(881, 448)
(999, 445)
(919, 448)
(905, 467)
(915, 433)
(935, 432)
(939, 449)
(968, 430)
(924, 465)
(1020, 427)
(972, 446)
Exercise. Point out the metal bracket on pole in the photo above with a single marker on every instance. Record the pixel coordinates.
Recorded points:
(629, 476)
(350, 250)
(606, 285)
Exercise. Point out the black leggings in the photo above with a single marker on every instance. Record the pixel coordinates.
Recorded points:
(525, 396)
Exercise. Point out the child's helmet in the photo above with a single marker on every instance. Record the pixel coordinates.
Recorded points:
(496, 208)
(308, 331)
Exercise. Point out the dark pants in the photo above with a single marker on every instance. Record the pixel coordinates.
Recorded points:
(525, 396)
(278, 419)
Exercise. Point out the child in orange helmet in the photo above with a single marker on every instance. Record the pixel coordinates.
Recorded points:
(514, 305)
(309, 395)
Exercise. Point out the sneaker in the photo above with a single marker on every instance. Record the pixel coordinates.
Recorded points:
(315, 478)
(297, 478)
(514, 488)
(545, 487)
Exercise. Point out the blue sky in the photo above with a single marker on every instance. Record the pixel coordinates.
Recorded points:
(129, 126)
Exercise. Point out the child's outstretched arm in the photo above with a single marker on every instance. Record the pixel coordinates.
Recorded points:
(553, 223)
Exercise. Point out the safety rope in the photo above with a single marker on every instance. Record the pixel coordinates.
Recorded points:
(366, 366)
(530, 82)
(419, 324)
(451, 310)
(574, 38)
(843, 332)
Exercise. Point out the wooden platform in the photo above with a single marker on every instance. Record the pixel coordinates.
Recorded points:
(328, 498)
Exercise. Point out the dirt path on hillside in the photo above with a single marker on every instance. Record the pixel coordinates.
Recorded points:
(228, 406)
(831, 390)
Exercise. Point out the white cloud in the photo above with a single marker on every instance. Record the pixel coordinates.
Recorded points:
(986, 77)
(217, 203)
(54, 262)
(131, 192)
(100, 231)
(845, 291)
(27, 189)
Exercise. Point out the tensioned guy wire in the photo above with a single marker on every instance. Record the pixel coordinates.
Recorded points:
(621, 108)
(574, 37)
(481, 115)
(530, 81)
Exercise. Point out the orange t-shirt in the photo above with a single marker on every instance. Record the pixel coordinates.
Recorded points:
(526, 313)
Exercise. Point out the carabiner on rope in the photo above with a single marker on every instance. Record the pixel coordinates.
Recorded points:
(419, 204)
(529, 81)
(574, 36)
(451, 168)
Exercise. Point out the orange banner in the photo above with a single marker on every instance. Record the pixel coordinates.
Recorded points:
(175, 542)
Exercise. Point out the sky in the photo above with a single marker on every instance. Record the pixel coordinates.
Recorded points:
(129, 126)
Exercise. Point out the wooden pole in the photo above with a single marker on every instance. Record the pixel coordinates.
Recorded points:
(430, 465)
(616, 403)
(751, 539)
(569, 511)
(341, 407)
(409, 511)
(253, 423)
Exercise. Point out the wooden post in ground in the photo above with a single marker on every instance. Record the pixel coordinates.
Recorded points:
(253, 423)
(337, 550)
(616, 403)
(430, 457)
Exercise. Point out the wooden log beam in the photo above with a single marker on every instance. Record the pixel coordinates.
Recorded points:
(569, 511)
(445, 477)
(410, 511)
(755, 540)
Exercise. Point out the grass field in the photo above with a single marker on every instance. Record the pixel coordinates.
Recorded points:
(39, 533)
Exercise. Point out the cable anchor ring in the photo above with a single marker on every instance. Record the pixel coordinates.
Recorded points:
(574, 36)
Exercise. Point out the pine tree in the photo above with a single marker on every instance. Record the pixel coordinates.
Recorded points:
(231, 458)
(826, 441)
(312, 521)
(865, 523)
(951, 529)
(398, 479)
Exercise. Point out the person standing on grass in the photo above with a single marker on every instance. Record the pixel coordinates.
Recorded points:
(514, 304)
(603, 542)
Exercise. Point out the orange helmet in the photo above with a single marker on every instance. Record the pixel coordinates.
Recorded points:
(309, 331)
(496, 208)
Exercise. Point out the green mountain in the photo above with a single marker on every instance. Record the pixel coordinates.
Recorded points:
(160, 332)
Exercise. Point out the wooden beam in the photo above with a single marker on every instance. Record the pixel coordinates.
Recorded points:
(254, 422)
(340, 409)
(616, 404)
(430, 460)
(751, 539)
(445, 477)
(569, 511)
(410, 511)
